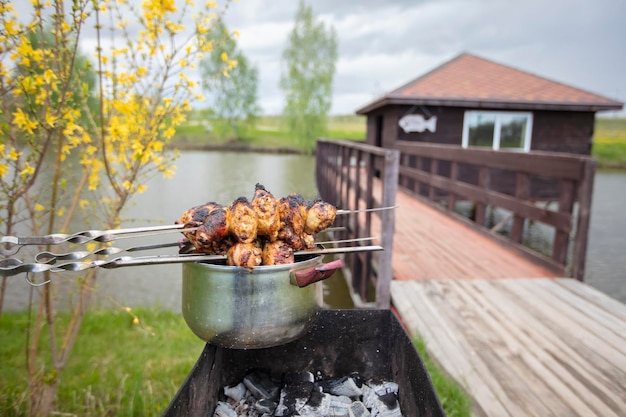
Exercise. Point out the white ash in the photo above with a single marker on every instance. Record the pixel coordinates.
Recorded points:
(305, 395)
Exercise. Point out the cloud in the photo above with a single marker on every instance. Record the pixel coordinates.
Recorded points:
(382, 45)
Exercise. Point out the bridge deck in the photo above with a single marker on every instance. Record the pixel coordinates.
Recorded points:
(428, 244)
(519, 340)
(523, 347)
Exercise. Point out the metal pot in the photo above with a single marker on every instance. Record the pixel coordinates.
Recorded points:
(242, 308)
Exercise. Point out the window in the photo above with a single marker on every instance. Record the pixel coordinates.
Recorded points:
(497, 130)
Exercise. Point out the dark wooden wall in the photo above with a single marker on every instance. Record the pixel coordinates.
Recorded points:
(553, 131)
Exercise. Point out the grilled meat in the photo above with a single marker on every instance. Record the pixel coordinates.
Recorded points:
(277, 253)
(265, 230)
(247, 255)
(243, 221)
(319, 216)
(266, 208)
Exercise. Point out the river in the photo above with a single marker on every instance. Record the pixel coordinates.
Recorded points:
(224, 176)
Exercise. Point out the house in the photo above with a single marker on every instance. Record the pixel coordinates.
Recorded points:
(471, 101)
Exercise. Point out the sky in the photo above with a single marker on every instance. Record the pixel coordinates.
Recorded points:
(384, 44)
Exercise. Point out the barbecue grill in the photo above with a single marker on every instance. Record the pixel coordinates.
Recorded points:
(340, 342)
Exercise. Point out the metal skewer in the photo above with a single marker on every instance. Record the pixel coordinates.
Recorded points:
(340, 212)
(10, 267)
(10, 245)
(51, 258)
(15, 243)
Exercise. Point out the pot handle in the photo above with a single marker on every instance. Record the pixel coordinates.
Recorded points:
(306, 277)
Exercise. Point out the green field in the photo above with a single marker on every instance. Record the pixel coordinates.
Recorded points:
(268, 131)
(609, 143)
(123, 368)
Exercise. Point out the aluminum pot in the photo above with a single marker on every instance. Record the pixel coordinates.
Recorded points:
(242, 308)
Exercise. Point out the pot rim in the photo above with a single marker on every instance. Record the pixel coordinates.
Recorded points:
(261, 268)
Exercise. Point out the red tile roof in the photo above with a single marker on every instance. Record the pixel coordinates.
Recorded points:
(471, 81)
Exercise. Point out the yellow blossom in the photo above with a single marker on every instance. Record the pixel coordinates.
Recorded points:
(27, 171)
(22, 120)
(14, 154)
(39, 207)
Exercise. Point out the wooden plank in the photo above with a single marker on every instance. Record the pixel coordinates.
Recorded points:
(569, 372)
(545, 342)
(446, 342)
(546, 164)
(471, 192)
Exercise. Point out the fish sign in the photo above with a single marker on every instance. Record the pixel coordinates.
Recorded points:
(417, 123)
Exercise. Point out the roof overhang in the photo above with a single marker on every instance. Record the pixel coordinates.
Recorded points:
(488, 104)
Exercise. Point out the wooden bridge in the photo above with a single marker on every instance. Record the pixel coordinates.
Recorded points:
(501, 320)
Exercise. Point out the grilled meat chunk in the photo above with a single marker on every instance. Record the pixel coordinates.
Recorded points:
(319, 216)
(246, 255)
(277, 253)
(265, 230)
(243, 221)
(266, 208)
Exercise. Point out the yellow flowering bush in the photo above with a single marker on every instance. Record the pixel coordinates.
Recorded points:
(85, 122)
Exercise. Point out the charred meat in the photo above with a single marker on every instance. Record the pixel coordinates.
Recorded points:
(264, 230)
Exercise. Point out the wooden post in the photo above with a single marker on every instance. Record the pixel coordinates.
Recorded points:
(385, 272)
(522, 182)
(434, 164)
(561, 237)
(454, 171)
(483, 183)
(585, 192)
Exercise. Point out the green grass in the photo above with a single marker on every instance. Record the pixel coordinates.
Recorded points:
(454, 400)
(123, 369)
(268, 131)
(117, 368)
(609, 143)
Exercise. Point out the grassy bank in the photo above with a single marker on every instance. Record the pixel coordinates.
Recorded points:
(123, 368)
(118, 368)
(609, 142)
(268, 131)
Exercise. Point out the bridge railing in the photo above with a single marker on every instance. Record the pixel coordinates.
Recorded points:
(353, 175)
(523, 188)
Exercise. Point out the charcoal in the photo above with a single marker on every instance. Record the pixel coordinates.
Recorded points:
(295, 395)
(236, 393)
(386, 405)
(224, 410)
(318, 408)
(342, 386)
(373, 391)
(339, 405)
(265, 406)
(358, 409)
(261, 386)
(305, 395)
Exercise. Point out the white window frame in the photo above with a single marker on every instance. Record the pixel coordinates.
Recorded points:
(497, 128)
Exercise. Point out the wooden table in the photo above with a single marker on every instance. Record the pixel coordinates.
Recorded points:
(523, 347)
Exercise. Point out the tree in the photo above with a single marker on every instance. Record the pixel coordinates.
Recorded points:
(307, 75)
(233, 97)
(65, 157)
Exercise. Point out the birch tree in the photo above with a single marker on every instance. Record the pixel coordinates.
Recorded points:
(308, 68)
